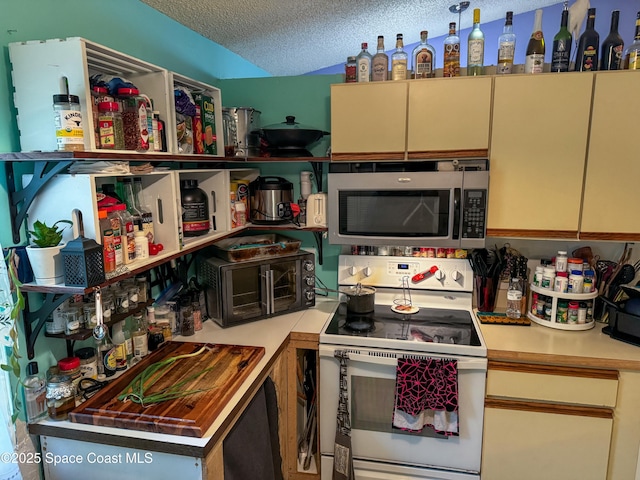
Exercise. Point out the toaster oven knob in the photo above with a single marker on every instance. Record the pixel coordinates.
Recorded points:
(310, 281)
(309, 295)
(308, 266)
(367, 271)
(439, 275)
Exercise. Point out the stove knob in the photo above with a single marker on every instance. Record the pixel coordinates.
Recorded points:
(367, 271)
(308, 266)
(352, 270)
(439, 275)
(310, 281)
(456, 275)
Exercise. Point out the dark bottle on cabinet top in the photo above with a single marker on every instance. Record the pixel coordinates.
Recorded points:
(613, 46)
(588, 46)
(561, 53)
(632, 55)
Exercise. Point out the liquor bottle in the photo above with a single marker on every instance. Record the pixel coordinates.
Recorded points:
(588, 46)
(514, 298)
(451, 53)
(613, 46)
(34, 389)
(506, 46)
(423, 58)
(534, 62)
(363, 64)
(475, 47)
(561, 53)
(632, 54)
(380, 63)
(142, 206)
(399, 60)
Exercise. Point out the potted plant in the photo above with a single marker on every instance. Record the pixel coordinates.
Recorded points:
(44, 252)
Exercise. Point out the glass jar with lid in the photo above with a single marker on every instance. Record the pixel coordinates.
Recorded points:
(61, 396)
(122, 300)
(142, 283)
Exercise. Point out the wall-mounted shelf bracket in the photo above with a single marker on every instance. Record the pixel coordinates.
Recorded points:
(38, 317)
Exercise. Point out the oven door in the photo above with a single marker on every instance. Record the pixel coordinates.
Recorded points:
(398, 208)
(371, 388)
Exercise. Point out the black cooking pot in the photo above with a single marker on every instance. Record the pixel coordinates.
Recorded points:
(360, 298)
(290, 134)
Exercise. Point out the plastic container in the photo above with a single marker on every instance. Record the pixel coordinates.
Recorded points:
(195, 209)
(561, 282)
(142, 245)
(575, 264)
(110, 126)
(576, 282)
(134, 119)
(561, 261)
(108, 243)
(548, 278)
(68, 123)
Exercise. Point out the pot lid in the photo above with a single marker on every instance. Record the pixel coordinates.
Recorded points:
(291, 124)
(357, 290)
(271, 183)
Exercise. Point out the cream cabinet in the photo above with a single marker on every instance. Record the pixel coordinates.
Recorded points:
(412, 119)
(548, 422)
(449, 116)
(611, 193)
(539, 134)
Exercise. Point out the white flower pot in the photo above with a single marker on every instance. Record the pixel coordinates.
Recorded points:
(46, 263)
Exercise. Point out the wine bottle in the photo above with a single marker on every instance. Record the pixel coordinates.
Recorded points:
(399, 60)
(588, 46)
(380, 63)
(506, 46)
(632, 54)
(613, 46)
(363, 64)
(451, 53)
(475, 47)
(534, 62)
(423, 58)
(561, 53)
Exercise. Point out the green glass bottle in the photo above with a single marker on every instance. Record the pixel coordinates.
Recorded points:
(475, 47)
(561, 53)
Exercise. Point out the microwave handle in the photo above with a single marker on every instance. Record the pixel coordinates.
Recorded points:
(466, 364)
(457, 206)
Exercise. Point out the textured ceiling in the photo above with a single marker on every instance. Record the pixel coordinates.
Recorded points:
(293, 37)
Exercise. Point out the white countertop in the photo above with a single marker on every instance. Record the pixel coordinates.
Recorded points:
(269, 333)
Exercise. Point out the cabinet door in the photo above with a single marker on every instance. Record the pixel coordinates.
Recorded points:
(369, 118)
(531, 445)
(611, 196)
(449, 116)
(537, 154)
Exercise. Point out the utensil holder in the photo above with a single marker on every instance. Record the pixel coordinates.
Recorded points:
(486, 289)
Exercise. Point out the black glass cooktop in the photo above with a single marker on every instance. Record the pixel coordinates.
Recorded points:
(427, 325)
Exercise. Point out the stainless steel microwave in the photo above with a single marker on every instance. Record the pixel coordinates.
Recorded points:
(241, 292)
(424, 203)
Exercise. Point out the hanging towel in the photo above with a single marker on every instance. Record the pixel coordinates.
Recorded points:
(426, 395)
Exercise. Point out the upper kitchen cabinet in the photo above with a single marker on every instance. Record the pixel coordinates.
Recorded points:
(539, 135)
(611, 195)
(449, 117)
(369, 121)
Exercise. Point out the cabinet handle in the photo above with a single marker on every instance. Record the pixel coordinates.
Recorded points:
(213, 201)
(160, 212)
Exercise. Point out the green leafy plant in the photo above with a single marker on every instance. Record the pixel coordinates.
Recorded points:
(13, 363)
(45, 236)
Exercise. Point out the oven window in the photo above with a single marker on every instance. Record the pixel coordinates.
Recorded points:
(372, 401)
(405, 213)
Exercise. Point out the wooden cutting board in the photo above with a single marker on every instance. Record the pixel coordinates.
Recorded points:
(189, 416)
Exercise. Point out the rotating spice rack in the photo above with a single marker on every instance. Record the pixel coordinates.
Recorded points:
(555, 297)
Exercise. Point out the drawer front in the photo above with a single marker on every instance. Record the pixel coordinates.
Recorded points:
(578, 386)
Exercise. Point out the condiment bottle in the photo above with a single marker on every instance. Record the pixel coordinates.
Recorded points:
(142, 245)
(108, 244)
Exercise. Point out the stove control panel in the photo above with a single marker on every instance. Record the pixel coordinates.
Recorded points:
(417, 272)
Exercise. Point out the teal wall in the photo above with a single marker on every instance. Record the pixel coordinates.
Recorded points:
(132, 27)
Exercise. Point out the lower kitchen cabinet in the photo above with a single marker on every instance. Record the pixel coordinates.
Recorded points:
(548, 422)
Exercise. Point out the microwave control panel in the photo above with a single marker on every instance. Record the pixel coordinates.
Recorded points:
(474, 213)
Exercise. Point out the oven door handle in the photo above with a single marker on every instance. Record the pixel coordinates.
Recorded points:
(465, 364)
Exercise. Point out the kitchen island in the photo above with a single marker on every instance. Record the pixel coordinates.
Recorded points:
(74, 450)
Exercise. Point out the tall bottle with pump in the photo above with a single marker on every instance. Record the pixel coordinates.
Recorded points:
(451, 53)
(380, 63)
(632, 54)
(423, 58)
(399, 60)
(143, 208)
(363, 64)
(613, 46)
(475, 47)
(588, 46)
(506, 46)
(534, 62)
(561, 53)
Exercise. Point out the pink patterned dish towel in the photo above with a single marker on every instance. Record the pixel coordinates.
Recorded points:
(427, 395)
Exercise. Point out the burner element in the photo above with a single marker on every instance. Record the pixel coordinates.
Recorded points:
(359, 323)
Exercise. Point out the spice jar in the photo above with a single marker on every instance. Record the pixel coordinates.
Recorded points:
(68, 123)
(74, 318)
(88, 362)
(71, 366)
(187, 327)
(134, 119)
(89, 313)
(142, 289)
(61, 396)
(562, 312)
(110, 126)
(572, 313)
(133, 291)
(122, 301)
